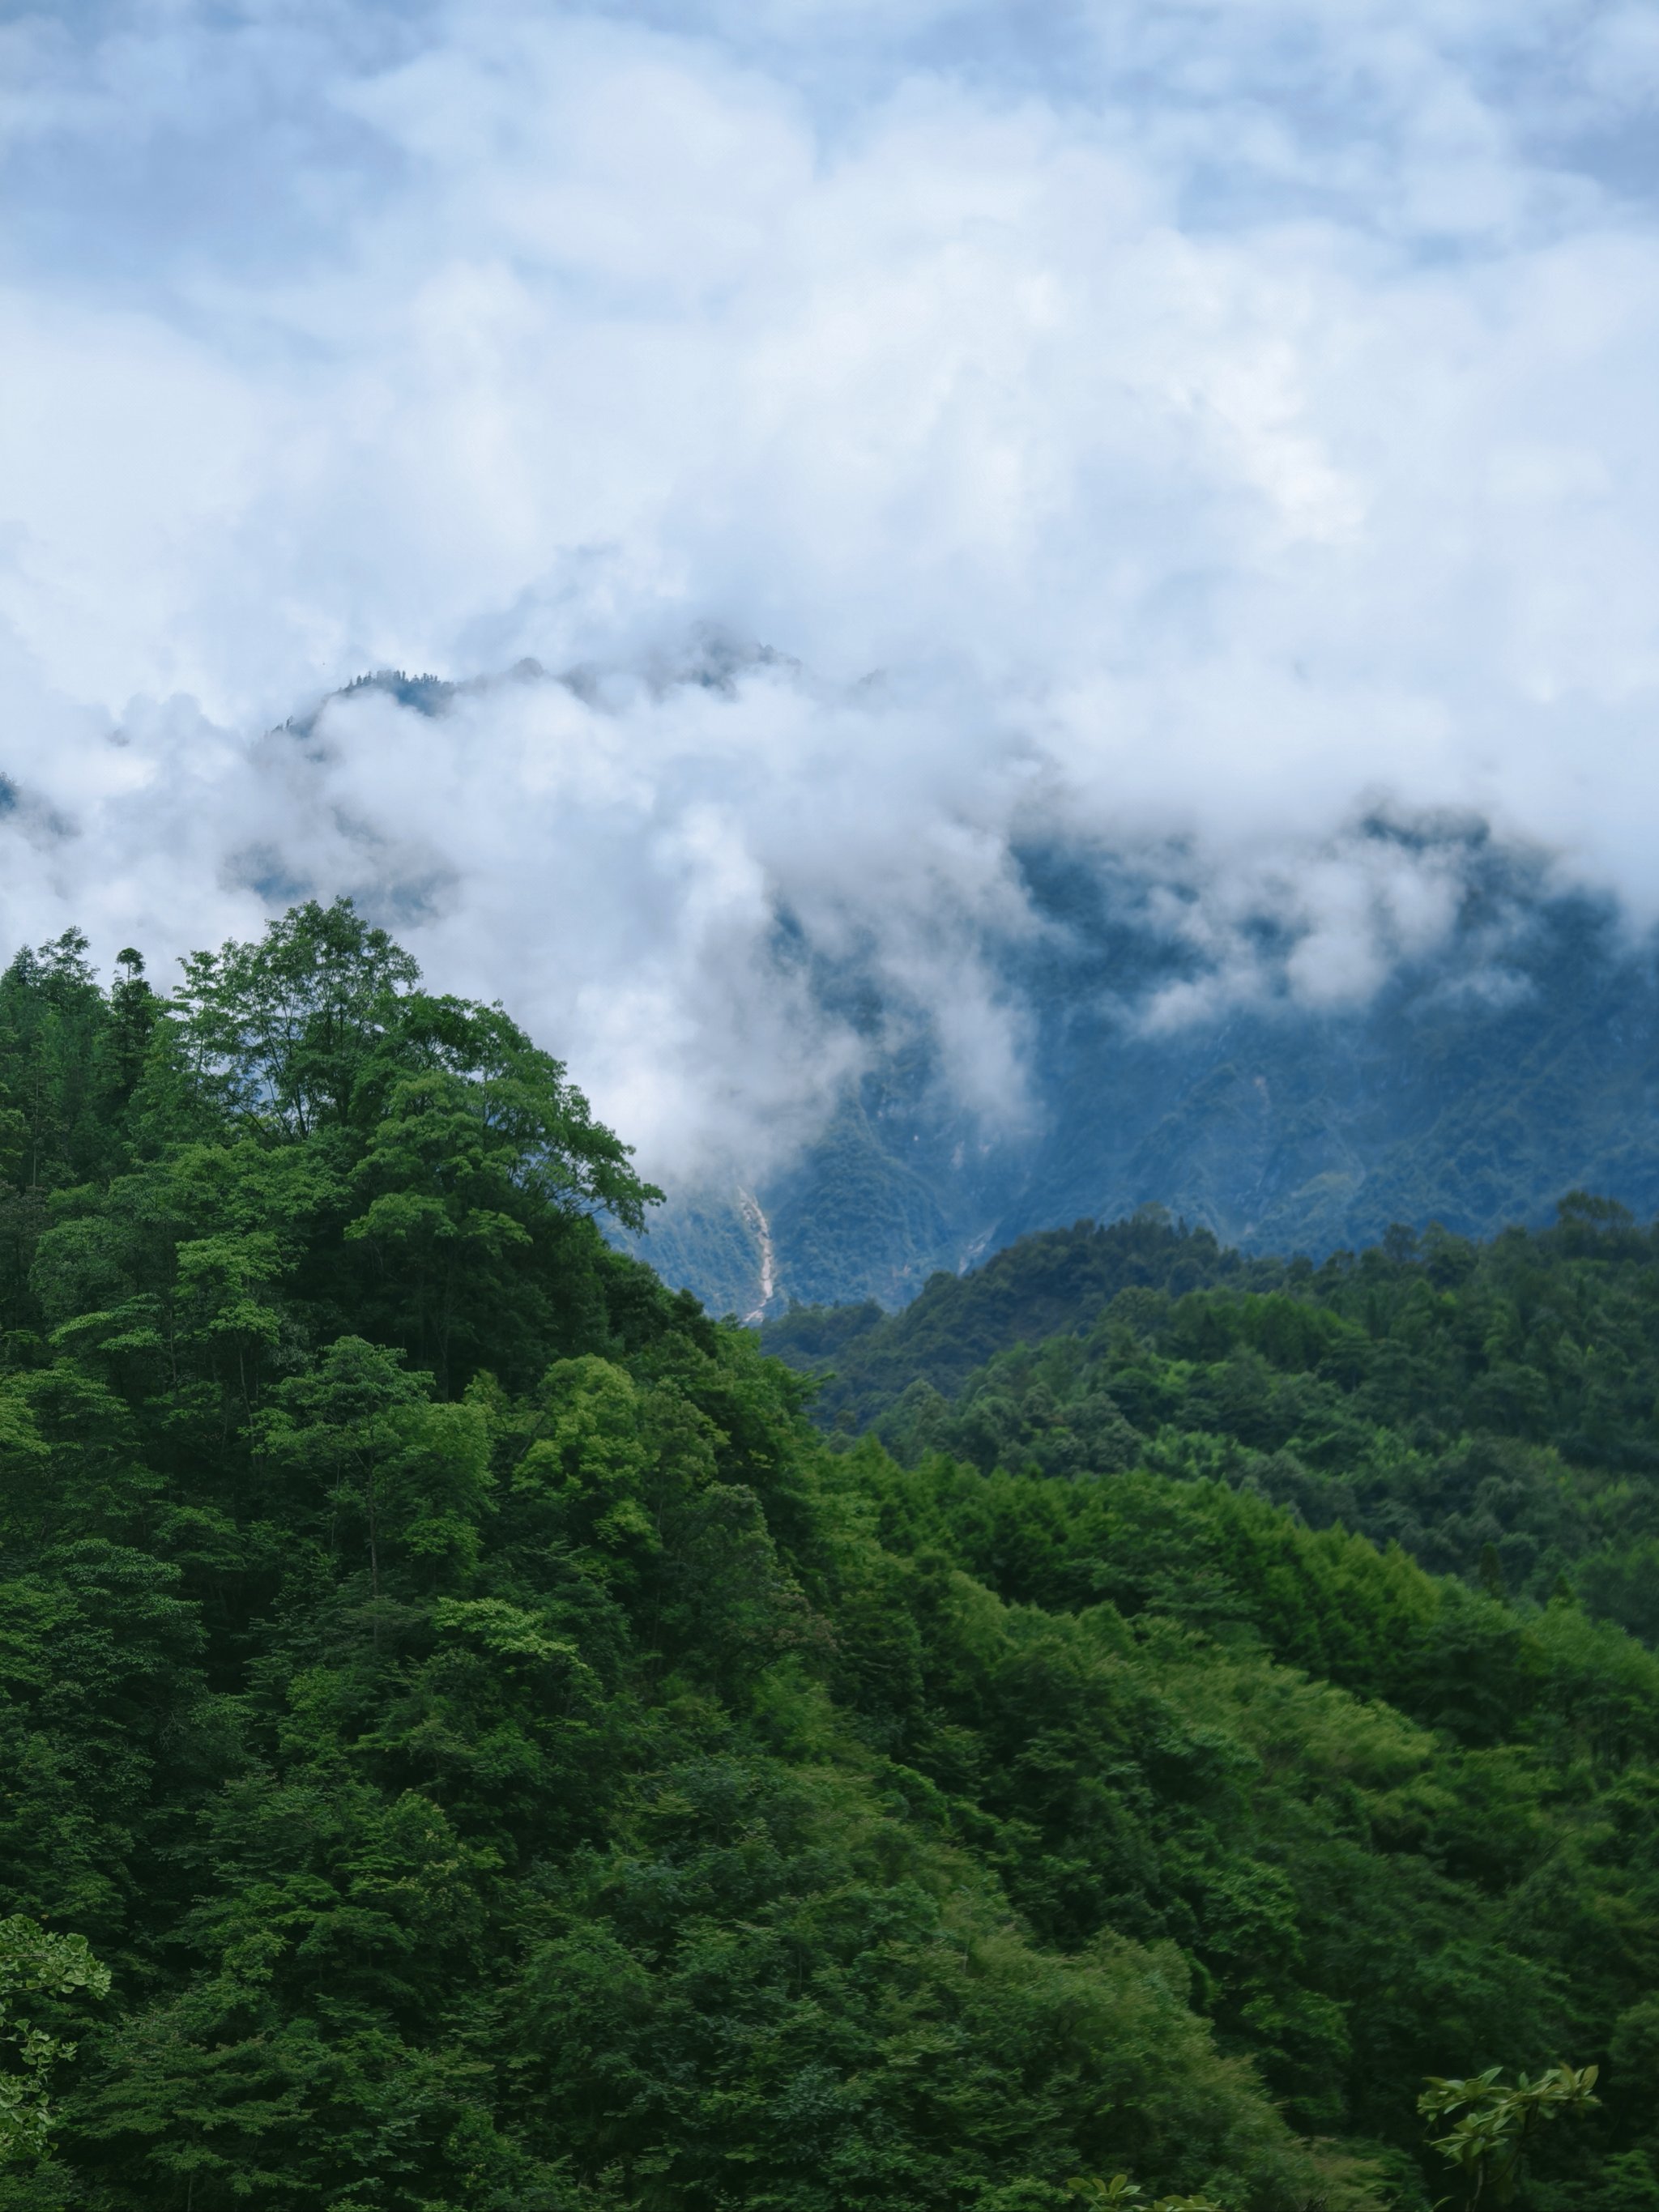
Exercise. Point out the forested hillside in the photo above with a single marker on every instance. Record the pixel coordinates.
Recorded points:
(504, 1756)
(1493, 1408)
(1054, 1283)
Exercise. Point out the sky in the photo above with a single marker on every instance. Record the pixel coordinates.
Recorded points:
(1193, 430)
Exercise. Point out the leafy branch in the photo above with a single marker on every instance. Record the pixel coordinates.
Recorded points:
(35, 1962)
(1120, 2194)
(1498, 2122)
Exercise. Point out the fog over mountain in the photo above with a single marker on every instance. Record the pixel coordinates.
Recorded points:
(991, 572)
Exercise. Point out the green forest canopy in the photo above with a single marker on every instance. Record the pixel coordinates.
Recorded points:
(1490, 1407)
(507, 1757)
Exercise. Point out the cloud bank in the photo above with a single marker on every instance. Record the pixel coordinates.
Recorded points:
(1191, 431)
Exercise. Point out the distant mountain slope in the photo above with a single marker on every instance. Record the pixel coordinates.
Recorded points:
(1474, 1091)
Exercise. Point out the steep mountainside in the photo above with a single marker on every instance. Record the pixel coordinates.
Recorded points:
(1469, 1091)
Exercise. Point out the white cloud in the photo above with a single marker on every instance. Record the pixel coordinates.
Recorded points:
(1212, 422)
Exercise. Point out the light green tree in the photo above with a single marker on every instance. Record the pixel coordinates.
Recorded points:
(1498, 2121)
(36, 1963)
(1120, 2194)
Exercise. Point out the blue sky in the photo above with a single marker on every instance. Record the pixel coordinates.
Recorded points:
(1204, 423)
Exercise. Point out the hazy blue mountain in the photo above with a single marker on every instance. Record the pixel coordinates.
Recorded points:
(1474, 1089)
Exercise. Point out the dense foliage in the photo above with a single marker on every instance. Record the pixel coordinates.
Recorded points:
(1052, 1283)
(508, 1759)
(1490, 1407)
